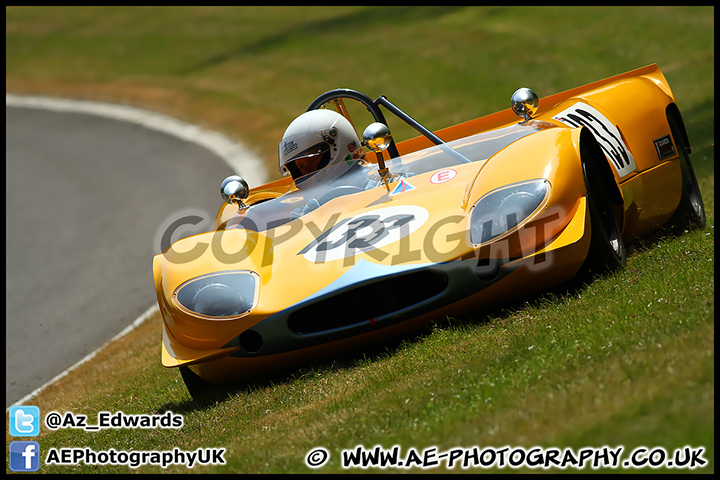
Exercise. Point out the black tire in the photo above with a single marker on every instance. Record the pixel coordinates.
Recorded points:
(690, 213)
(196, 386)
(607, 249)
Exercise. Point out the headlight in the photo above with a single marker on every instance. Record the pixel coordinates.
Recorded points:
(227, 294)
(500, 211)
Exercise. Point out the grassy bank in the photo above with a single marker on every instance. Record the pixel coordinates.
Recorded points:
(627, 361)
(249, 71)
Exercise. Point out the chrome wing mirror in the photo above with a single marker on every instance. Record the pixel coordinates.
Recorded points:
(377, 138)
(234, 189)
(524, 103)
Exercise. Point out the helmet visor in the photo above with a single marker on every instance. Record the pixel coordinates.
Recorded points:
(309, 160)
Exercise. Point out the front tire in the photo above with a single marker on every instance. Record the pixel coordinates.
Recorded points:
(196, 386)
(607, 252)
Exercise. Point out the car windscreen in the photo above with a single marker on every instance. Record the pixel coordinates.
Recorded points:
(309, 192)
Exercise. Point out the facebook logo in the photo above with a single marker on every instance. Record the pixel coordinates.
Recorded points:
(24, 421)
(24, 456)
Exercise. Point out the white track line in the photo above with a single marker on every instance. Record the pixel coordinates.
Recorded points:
(240, 159)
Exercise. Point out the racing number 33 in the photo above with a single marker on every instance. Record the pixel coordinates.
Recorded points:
(607, 134)
(363, 233)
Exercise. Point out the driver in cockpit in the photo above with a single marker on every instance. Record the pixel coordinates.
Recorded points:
(324, 143)
(315, 140)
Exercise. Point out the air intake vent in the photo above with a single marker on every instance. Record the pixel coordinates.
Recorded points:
(367, 302)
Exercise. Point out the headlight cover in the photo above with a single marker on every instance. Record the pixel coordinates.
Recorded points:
(500, 211)
(219, 295)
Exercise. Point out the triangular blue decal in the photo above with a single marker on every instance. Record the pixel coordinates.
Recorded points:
(402, 187)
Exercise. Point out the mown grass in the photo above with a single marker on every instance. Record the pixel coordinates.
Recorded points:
(626, 360)
(622, 361)
(249, 71)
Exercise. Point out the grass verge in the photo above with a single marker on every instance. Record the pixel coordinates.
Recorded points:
(625, 361)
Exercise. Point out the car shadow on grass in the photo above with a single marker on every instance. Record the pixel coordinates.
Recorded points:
(205, 395)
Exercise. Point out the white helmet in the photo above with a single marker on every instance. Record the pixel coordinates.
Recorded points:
(315, 140)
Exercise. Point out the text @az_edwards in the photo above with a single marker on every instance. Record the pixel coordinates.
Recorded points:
(116, 420)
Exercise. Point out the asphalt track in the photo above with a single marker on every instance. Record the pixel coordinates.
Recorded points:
(87, 198)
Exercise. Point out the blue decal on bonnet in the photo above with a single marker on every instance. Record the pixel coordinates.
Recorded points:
(402, 187)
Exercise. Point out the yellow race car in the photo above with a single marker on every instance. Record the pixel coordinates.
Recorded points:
(405, 233)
